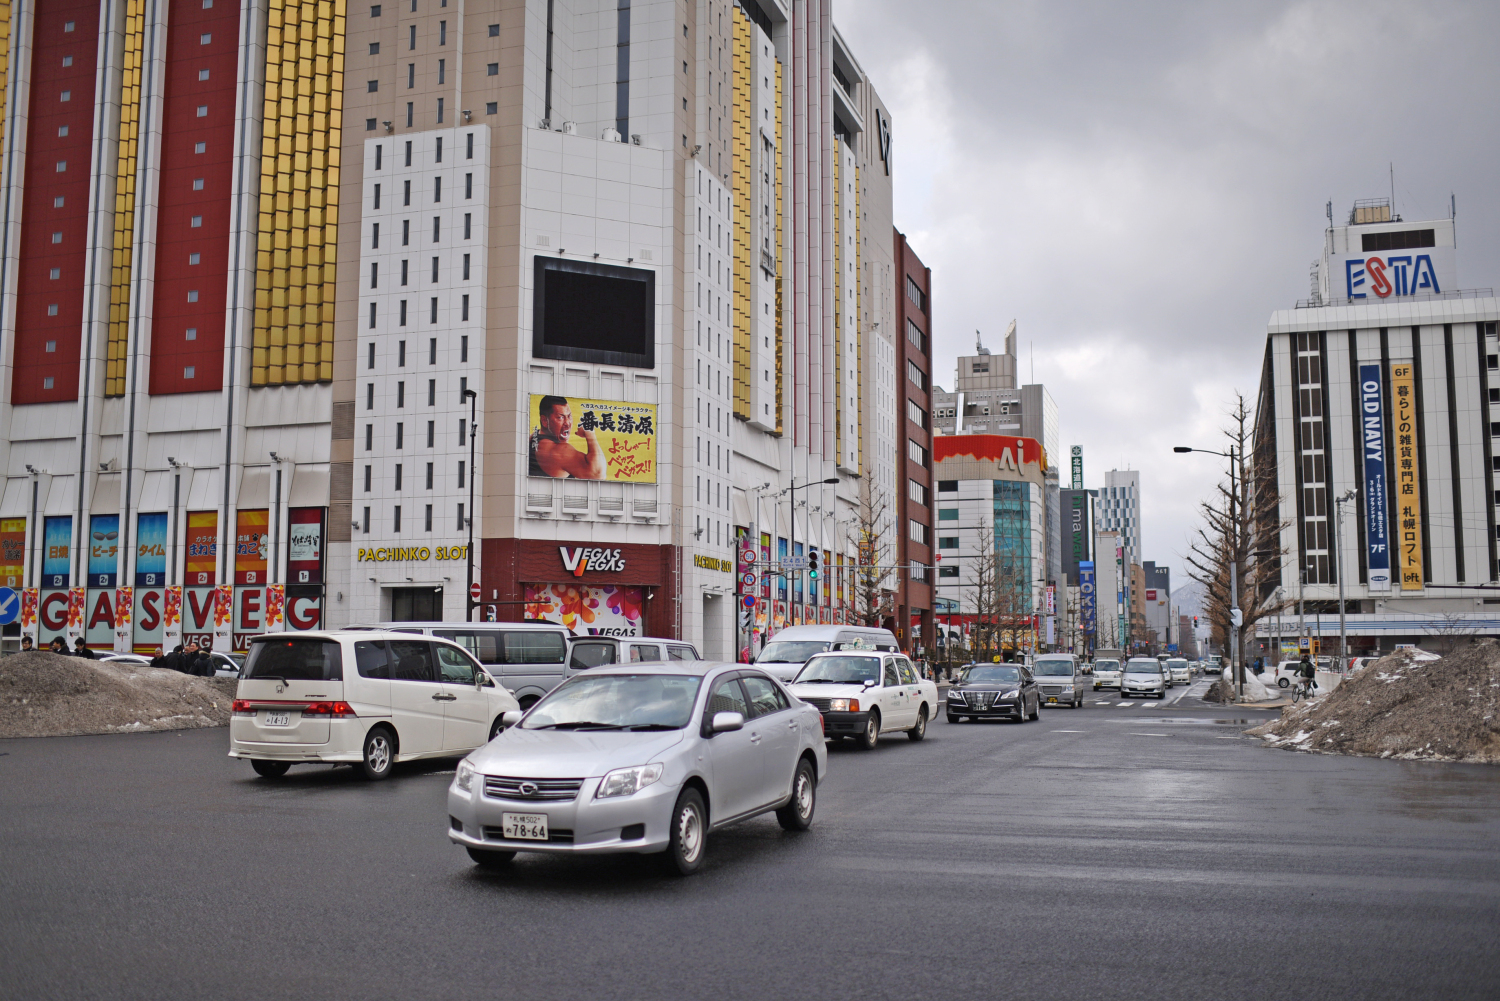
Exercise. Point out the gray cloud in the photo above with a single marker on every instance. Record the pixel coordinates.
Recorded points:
(1141, 184)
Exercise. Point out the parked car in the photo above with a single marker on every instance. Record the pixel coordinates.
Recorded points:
(133, 659)
(990, 690)
(1106, 674)
(362, 697)
(529, 658)
(789, 649)
(226, 665)
(864, 694)
(1179, 671)
(588, 652)
(1143, 676)
(640, 759)
(1060, 678)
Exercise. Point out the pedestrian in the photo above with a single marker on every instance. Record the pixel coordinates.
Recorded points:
(81, 649)
(59, 646)
(197, 661)
(26, 646)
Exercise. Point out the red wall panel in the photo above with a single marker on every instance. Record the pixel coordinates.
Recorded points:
(55, 202)
(198, 41)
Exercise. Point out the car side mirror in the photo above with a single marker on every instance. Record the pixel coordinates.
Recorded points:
(871, 682)
(725, 722)
(511, 718)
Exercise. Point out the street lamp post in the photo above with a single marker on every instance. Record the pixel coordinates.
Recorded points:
(1234, 569)
(470, 603)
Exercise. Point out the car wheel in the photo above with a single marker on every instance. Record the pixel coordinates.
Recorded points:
(379, 754)
(952, 718)
(1036, 710)
(529, 701)
(1283, 683)
(497, 727)
(797, 815)
(689, 834)
(1161, 695)
(871, 736)
(489, 859)
(919, 729)
(269, 769)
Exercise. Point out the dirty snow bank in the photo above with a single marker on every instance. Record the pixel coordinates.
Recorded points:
(46, 695)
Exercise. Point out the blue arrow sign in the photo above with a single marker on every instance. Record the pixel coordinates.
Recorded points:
(10, 605)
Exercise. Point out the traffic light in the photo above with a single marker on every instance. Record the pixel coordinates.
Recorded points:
(1195, 622)
(812, 563)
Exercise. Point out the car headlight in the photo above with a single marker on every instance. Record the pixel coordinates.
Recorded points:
(843, 705)
(628, 781)
(465, 779)
(1067, 688)
(1012, 695)
(954, 695)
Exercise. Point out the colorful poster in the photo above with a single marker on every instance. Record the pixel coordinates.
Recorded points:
(99, 622)
(30, 598)
(252, 544)
(199, 612)
(151, 550)
(1377, 486)
(249, 618)
(275, 602)
(171, 618)
(150, 614)
(77, 604)
(591, 439)
(223, 638)
(13, 551)
(1408, 481)
(305, 545)
(202, 548)
(57, 551)
(104, 551)
(586, 610)
(124, 615)
(1086, 596)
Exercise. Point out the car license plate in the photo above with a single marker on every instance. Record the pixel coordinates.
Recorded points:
(1052, 698)
(524, 826)
(279, 719)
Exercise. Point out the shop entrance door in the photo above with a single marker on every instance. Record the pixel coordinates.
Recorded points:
(416, 604)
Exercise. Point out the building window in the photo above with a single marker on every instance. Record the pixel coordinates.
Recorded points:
(916, 375)
(371, 86)
(947, 486)
(947, 571)
(492, 107)
(917, 492)
(915, 294)
(916, 414)
(367, 521)
(396, 518)
(916, 453)
(493, 69)
(917, 531)
(947, 542)
(915, 335)
(367, 478)
(947, 514)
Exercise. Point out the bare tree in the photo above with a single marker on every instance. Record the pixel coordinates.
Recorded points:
(1452, 631)
(1241, 533)
(871, 595)
(985, 643)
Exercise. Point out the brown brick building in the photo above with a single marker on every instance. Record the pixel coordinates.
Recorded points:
(914, 486)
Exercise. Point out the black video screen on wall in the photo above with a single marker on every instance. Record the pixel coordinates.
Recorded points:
(590, 312)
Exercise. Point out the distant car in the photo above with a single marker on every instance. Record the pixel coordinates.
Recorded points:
(1180, 671)
(990, 690)
(786, 652)
(1106, 674)
(1060, 679)
(643, 759)
(863, 694)
(226, 665)
(126, 658)
(1143, 676)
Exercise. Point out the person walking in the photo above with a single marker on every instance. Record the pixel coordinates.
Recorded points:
(81, 649)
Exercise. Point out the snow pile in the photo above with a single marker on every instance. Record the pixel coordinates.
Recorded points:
(1223, 689)
(46, 695)
(1405, 705)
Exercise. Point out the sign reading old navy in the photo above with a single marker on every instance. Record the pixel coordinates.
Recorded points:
(1372, 437)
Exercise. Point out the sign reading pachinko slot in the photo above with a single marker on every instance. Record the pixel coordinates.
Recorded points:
(1372, 434)
(1086, 596)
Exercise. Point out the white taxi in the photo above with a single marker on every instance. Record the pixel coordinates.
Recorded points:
(863, 694)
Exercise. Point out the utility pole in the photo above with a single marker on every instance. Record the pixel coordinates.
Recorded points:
(1338, 540)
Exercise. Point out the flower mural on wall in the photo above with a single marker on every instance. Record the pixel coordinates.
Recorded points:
(584, 610)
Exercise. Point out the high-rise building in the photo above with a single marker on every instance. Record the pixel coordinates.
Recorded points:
(913, 601)
(301, 299)
(1376, 424)
(1119, 507)
(1157, 602)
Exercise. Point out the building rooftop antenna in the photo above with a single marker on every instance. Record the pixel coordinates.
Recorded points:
(979, 347)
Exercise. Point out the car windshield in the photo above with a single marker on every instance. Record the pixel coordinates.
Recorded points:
(1106, 665)
(986, 673)
(840, 671)
(1052, 667)
(1143, 667)
(617, 702)
(294, 660)
(1178, 665)
(790, 652)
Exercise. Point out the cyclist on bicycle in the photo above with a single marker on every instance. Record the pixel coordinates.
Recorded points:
(1306, 672)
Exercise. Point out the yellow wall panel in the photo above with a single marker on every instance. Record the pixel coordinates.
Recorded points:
(124, 217)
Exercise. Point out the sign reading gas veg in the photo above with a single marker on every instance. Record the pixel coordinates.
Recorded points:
(411, 554)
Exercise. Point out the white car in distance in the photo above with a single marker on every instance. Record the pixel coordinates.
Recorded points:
(1180, 671)
(1106, 673)
(863, 694)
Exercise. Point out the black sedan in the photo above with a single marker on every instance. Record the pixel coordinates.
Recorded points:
(999, 690)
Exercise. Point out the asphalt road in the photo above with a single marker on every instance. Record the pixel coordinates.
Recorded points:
(1137, 851)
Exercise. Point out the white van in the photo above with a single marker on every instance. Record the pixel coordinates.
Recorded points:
(585, 652)
(789, 649)
(529, 658)
(363, 697)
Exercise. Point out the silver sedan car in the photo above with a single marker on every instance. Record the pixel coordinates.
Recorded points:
(640, 758)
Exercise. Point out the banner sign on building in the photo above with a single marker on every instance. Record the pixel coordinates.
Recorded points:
(151, 550)
(1077, 467)
(305, 552)
(202, 548)
(1408, 483)
(1409, 272)
(1086, 596)
(1377, 534)
(12, 551)
(104, 551)
(252, 544)
(57, 551)
(584, 439)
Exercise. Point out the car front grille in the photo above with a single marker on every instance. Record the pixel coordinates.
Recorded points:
(979, 700)
(821, 705)
(547, 790)
(1052, 689)
(555, 836)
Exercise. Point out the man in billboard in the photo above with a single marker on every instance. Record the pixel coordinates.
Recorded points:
(550, 452)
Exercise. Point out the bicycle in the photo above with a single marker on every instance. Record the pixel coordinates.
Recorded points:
(1303, 690)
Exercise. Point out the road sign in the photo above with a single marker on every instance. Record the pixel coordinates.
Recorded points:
(747, 579)
(10, 605)
(749, 601)
(475, 593)
(794, 563)
(747, 556)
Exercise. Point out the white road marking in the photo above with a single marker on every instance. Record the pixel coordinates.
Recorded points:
(1070, 731)
(1134, 734)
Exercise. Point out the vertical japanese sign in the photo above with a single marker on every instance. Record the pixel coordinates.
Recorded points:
(12, 551)
(57, 551)
(1086, 596)
(1077, 467)
(1408, 482)
(305, 549)
(104, 550)
(151, 550)
(202, 548)
(1372, 435)
(251, 546)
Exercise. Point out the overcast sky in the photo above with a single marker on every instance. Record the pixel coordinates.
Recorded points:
(1139, 185)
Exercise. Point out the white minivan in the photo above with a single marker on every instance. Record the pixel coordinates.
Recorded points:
(586, 652)
(362, 697)
(529, 658)
(786, 652)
